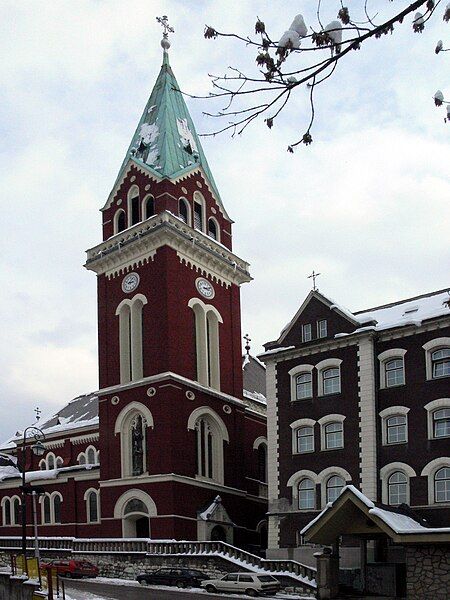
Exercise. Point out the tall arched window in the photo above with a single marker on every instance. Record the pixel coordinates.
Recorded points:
(132, 424)
(57, 501)
(442, 485)
(7, 511)
(148, 208)
(198, 216)
(50, 461)
(133, 206)
(17, 511)
(397, 488)
(90, 456)
(92, 499)
(262, 463)
(334, 487)
(183, 210)
(306, 494)
(130, 338)
(213, 230)
(46, 510)
(207, 344)
(210, 435)
(120, 221)
(138, 444)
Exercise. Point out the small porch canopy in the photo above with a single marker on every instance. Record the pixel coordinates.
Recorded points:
(354, 514)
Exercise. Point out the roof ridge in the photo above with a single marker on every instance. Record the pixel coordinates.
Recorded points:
(398, 302)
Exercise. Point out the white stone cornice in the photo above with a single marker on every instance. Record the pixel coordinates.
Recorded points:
(55, 444)
(82, 439)
(138, 244)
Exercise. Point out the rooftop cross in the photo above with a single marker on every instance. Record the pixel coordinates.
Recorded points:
(248, 340)
(164, 21)
(38, 411)
(314, 276)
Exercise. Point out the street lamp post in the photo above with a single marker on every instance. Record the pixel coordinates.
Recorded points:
(38, 449)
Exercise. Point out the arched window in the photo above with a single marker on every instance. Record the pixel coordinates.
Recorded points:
(133, 206)
(7, 511)
(148, 208)
(262, 463)
(130, 338)
(213, 229)
(198, 216)
(43, 465)
(441, 423)
(306, 494)
(90, 456)
(305, 439)
(334, 435)
(132, 424)
(210, 435)
(397, 488)
(183, 210)
(207, 320)
(50, 461)
(82, 459)
(442, 485)
(17, 511)
(120, 221)
(57, 500)
(396, 429)
(334, 487)
(135, 506)
(59, 462)
(92, 506)
(440, 361)
(394, 372)
(331, 381)
(46, 510)
(303, 384)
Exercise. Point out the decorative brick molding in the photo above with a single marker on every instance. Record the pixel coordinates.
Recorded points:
(272, 451)
(367, 418)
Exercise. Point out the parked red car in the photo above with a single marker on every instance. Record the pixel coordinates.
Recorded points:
(72, 568)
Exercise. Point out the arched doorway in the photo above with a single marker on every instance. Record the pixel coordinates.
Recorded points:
(218, 534)
(262, 530)
(136, 522)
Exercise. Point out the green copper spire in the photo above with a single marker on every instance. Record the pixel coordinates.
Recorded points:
(166, 141)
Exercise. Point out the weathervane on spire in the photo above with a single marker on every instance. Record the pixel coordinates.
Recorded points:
(37, 410)
(314, 276)
(247, 346)
(164, 21)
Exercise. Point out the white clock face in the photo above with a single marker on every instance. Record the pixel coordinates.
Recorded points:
(205, 288)
(130, 282)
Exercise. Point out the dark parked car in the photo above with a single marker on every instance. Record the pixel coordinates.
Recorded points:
(180, 577)
(72, 568)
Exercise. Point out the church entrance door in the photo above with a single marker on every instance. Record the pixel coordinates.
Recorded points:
(218, 534)
(142, 527)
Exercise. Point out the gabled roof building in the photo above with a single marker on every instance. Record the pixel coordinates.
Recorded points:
(363, 399)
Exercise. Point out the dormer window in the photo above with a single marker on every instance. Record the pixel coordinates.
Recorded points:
(322, 328)
(306, 332)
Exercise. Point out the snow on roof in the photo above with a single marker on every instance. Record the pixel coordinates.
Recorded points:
(30, 476)
(254, 377)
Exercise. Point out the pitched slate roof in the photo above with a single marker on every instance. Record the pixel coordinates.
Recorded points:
(165, 140)
(254, 375)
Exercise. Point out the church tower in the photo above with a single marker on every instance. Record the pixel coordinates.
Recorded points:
(174, 427)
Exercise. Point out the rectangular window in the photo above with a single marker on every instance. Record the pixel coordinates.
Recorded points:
(305, 439)
(306, 332)
(322, 328)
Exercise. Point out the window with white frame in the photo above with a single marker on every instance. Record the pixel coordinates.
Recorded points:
(207, 343)
(397, 488)
(210, 435)
(130, 338)
(306, 332)
(148, 207)
(120, 223)
(441, 423)
(184, 210)
(6, 509)
(46, 510)
(198, 216)
(331, 381)
(322, 328)
(11, 511)
(396, 429)
(306, 494)
(442, 485)
(440, 361)
(394, 372)
(437, 358)
(334, 487)
(304, 439)
(132, 424)
(303, 386)
(334, 435)
(133, 206)
(57, 501)
(92, 498)
(213, 229)
(50, 460)
(51, 508)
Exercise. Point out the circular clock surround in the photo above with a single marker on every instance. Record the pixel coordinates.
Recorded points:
(130, 282)
(205, 288)
(115, 400)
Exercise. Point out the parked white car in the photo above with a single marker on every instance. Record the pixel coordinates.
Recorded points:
(252, 584)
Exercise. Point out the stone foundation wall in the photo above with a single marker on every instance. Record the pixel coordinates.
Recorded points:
(428, 572)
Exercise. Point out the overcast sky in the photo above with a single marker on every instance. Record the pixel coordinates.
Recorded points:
(367, 204)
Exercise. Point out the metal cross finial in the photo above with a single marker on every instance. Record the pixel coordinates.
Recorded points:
(314, 276)
(248, 340)
(38, 411)
(164, 21)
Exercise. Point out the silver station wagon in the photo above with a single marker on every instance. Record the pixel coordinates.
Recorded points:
(251, 584)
